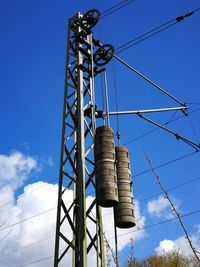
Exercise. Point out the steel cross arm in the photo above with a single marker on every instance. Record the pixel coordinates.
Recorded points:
(144, 111)
(148, 80)
(143, 76)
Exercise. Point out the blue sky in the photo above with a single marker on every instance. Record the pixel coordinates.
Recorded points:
(32, 53)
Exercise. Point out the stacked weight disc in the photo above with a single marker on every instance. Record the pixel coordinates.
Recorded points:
(105, 169)
(124, 210)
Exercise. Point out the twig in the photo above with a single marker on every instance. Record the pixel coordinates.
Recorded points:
(173, 208)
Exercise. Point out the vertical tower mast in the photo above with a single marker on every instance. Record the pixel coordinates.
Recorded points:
(78, 228)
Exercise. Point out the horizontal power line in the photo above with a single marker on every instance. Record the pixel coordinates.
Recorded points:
(29, 218)
(138, 174)
(130, 141)
(157, 128)
(153, 32)
(171, 189)
(160, 223)
(139, 229)
(168, 190)
(47, 183)
(115, 8)
(37, 261)
(142, 200)
(167, 163)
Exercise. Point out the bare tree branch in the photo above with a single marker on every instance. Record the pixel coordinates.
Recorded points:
(173, 208)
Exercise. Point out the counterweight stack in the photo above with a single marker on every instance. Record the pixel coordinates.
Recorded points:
(124, 211)
(105, 169)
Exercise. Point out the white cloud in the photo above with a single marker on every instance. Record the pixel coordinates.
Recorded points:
(160, 207)
(15, 168)
(157, 206)
(165, 246)
(42, 227)
(180, 244)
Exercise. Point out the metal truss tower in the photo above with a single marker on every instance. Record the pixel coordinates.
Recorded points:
(79, 229)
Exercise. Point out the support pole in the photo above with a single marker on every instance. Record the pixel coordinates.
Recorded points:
(75, 226)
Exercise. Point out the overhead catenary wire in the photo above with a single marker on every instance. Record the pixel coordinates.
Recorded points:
(130, 141)
(26, 246)
(159, 223)
(133, 176)
(145, 38)
(153, 32)
(193, 129)
(37, 261)
(47, 183)
(133, 231)
(36, 215)
(171, 189)
(115, 8)
(177, 136)
(156, 128)
(142, 200)
(167, 163)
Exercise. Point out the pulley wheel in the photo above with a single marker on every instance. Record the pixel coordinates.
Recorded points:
(90, 18)
(103, 55)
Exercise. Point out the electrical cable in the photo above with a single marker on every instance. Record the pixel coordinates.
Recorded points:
(47, 183)
(168, 190)
(159, 223)
(139, 229)
(156, 128)
(116, 103)
(34, 216)
(133, 176)
(167, 163)
(115, 8)
(142, 200)
(109, 9)
(145, 38)
(153, 32)
(9, 232)
(27, 246)
(177, 136)
(106, 95)
(149, 81)
(37, 261)
(142, 35)
(29, 218)
(193, 129)
(171, 189)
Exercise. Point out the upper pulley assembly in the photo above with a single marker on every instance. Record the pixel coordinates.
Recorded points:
(88, 21)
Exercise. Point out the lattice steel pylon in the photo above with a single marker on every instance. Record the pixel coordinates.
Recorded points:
(78, 229)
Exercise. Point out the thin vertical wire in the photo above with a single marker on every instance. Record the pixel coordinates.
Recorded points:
(193, 129)
(107, 100)
(102, 79)
(171, 117)
(116, 103)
